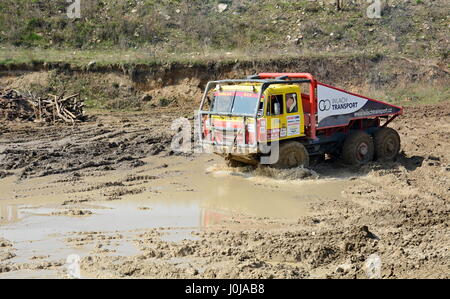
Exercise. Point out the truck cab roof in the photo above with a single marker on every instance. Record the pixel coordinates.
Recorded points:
(256, 87)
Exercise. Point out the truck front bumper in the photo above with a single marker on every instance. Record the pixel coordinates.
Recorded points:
(227, 149)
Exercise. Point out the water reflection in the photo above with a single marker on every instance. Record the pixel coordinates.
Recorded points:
(10, 213)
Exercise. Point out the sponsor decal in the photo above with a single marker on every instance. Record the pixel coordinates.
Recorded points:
(273, 134)
(293, 130)
(295, 119)
(293, 125)
(333, 102)
(262, 126)
(363, 113)
(236, 93)
(283, 132)
(251, 128)
(224, 94)
(337, 108)
(262, 130)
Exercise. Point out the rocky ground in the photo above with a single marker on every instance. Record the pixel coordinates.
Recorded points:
(395, 214)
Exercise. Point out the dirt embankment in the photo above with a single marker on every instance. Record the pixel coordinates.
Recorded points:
(180, 85)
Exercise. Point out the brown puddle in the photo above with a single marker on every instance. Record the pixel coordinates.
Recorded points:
(186, 196)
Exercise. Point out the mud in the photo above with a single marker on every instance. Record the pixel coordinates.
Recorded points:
(116, 143)
(73, 213)
(112, 192)
(6, 250)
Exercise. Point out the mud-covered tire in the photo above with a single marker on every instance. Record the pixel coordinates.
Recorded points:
(387, 144)
(292, 154)
(358, 149)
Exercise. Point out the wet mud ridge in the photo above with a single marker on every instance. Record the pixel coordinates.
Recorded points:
(111, 191)
(114, 143)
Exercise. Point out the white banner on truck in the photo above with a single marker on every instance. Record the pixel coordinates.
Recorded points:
(333, 104)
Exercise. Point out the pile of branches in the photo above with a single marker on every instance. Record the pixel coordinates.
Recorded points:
(17, 106)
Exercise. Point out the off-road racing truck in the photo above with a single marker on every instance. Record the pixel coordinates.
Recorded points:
(242, 120)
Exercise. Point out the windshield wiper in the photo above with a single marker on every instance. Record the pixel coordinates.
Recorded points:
(232, 103)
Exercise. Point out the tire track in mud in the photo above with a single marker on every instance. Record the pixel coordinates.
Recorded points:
(66, 150)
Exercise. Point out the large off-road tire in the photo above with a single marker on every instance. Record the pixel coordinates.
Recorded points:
(387, 144)
(292, 154)
(358, 149)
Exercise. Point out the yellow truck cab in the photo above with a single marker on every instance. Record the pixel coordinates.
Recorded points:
(283, 112)
(242, 117)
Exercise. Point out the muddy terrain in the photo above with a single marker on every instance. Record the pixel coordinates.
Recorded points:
(112, 192)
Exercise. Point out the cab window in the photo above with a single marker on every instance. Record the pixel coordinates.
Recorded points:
(275, 106)
(291, 103)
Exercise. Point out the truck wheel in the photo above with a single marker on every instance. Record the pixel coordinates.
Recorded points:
(358, 149)
(292, 154)
(387, 144)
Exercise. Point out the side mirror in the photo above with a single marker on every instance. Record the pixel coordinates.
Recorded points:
(260, 112)
(276, 108)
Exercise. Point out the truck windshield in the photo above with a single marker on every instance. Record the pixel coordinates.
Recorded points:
(235, 102)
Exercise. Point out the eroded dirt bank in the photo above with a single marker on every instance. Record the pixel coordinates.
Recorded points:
(181, 85)
(111, 191)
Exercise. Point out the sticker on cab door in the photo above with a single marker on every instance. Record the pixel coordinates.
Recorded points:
(273, 134)
(293, 125)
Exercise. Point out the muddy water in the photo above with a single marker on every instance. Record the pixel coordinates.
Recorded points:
(205, 184)
(186, 195)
